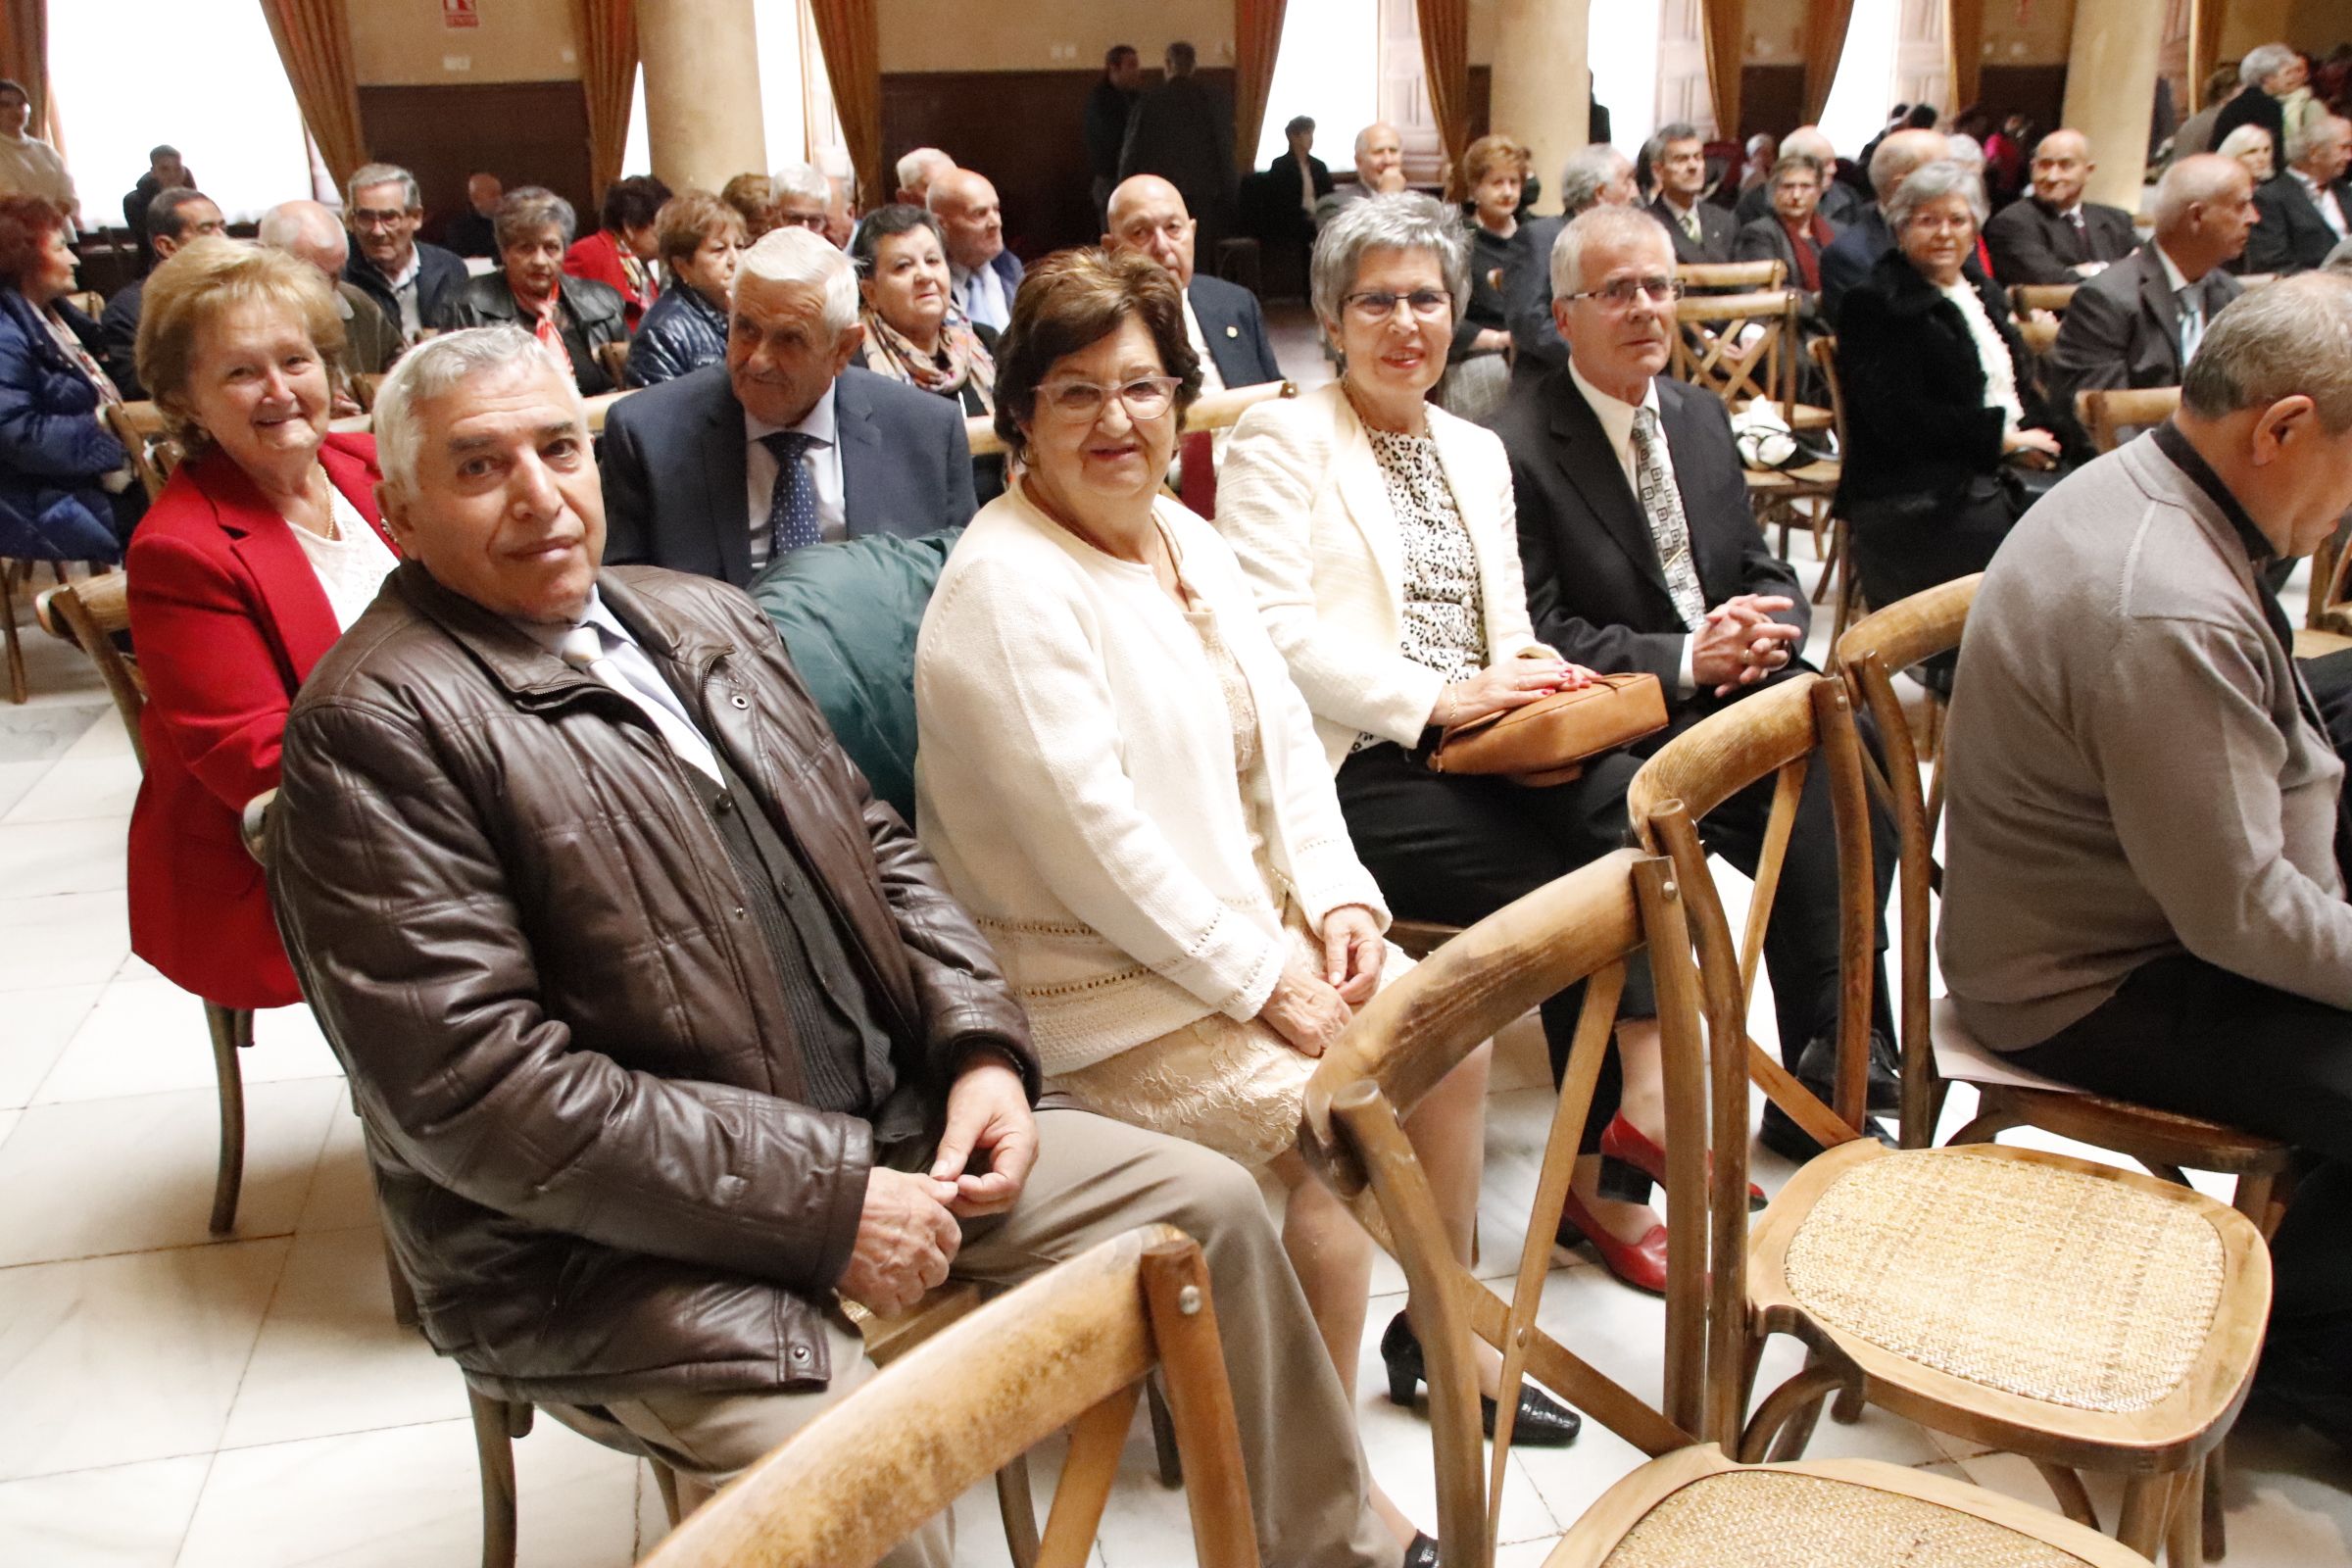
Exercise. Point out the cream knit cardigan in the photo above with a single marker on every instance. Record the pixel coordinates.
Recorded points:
(1075, 779)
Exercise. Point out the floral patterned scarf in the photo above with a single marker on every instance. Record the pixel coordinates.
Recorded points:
(962, 360)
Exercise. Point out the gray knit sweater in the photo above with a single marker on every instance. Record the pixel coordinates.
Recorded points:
(2132, 772)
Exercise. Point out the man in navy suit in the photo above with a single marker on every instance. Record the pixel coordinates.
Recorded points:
(984, 275)
(1227, 329)
(787, 443)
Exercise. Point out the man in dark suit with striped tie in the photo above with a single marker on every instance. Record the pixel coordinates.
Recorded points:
(786, 444)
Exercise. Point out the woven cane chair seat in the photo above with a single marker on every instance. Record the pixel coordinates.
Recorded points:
(2022, 1277)
(1793, 1520)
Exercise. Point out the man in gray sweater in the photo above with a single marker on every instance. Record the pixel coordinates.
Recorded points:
(2143, 886)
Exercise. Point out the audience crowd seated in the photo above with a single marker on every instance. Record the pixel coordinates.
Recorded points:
(166, 170)
(263, 547)
(2306, 211)
(66, 491)
(2160, 922)
(752, 196)
(1944, 418)
(1222, 321)
(914, 332)
(2250, 145)
(2272, 73)
(414, 283)
(312, 232)
(571, 316)
(1298, 180)
(787, 443)
(1701, 230)
(174, 218)
(1477, 365)
(1840, 202)
(627, 1177)
(622, 253)
(1379, 170)
(473, 232)
(1794, 233)
(1851, 256)
(698, 237)
(983, 274)
(2054, 235)
(1597, 175)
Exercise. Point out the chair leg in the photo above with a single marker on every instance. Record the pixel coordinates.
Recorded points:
(2073, 1498)
(2141, 1528)
(2216, 1529)
(18, 689)
(494, 1451)
(231, 1029)
(666, 1482)
(1017, 1506)
(1163, 1436)
(2185, 1534)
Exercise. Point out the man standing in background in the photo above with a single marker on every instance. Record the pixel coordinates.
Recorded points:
(1108, 110)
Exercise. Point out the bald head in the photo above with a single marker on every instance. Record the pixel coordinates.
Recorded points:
(1379, 159)
(1899, 155)
(1809, 141)
(2061, 165)
(2204, 209)
(307, 230)
(966, 205)
(1148, 217)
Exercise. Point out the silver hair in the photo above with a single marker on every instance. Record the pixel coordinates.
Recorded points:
(910, 168)
(796, 255)
(1587, 171)
(801, 179)
(289, 225)
(1946, 176)
(523, 211)
(2264, 61)
(1897, 156)
(1405, 221)
(1964, 149)
(435, 368)
(2287, 337)
(1602, 225)
(2312, 132)
(2240, 141)
(2199, 179)
(410, 197)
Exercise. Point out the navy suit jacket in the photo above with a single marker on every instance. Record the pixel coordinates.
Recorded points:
(673, 461)
(2292, 237)
(1235, 329)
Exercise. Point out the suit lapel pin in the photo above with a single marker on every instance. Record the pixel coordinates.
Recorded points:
(1232, 331)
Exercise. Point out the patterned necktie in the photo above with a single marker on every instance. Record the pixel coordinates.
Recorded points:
(792, 505)
(2082, 235)
(1662, 505)
(1691, 226)
(2193, 322)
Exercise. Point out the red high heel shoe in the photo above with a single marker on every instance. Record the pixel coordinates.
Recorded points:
(1641, 1265)
(1627, 1144)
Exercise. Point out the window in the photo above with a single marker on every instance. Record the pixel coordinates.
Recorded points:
(796, 98)
(205, 78)
(1328, 68)
(1864, 88)
(1620, 41)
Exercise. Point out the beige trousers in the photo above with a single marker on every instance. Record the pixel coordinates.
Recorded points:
(1093, 1179)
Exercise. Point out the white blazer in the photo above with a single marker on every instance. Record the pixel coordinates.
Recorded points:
(1305, 506)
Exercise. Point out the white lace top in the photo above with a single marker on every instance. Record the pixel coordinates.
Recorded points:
(351, 566)
(2000, 375)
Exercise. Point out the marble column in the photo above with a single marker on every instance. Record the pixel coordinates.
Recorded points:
(1542, 95)
(2111, 93)
(701, 90)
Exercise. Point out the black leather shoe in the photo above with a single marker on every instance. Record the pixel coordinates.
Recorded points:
(1816, 1068)
(1422, 1553)
(1781, 1134)
(1541, 1423)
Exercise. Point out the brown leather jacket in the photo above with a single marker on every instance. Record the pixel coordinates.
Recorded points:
(566, 1037)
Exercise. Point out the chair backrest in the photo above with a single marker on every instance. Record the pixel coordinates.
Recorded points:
(90, 614)
(1583, 926)
(154, 452)
(2054, 298)
(600, 405)
(1069, 1349)
(1771, 272)
(1737, 346)
(90, 302)
(2038, 336)
(1212, 411)
(614, 357)
(363, 388)
(2107, 416)
(1823, 352)
(1773, 733)
(1867, 657)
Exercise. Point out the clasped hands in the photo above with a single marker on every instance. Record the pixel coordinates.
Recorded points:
(1739, 644)
(908, 1232)
(1308, 1008)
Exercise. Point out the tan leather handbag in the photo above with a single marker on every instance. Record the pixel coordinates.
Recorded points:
(1550, 739)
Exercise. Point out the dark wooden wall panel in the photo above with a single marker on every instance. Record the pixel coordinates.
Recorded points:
(1021, 128)
(2038, 92)
(1772, 99)
(526, 132)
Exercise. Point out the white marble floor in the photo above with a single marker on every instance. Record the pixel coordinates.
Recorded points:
(167, 1398)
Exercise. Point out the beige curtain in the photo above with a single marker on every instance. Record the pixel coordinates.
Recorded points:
(1724, 26)
(852, 42)
(1964, 36)
(2205, 17)
(1445, 66)
(1824, 46)
(1256, 39)
(25, 56)
(314, 43)
(608, 31)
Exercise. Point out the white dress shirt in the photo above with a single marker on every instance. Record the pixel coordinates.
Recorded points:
(980, 293)
(1616, 416)
(1210, 379)
(2188, 297)
(629, 671)
(404, 294)
(825, 466)
(2332, 211)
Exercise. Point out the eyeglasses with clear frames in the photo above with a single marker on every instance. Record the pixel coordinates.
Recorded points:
(1375, 306)
(1147, 397)
(1619, 293)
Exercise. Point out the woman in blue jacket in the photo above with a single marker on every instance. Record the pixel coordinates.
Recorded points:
(65, 483)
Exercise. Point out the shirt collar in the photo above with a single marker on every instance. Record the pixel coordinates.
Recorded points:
(818, 423)
(550, 637)
(1616, 415)
(403, 278)
(2175, 281)
(2184, 457)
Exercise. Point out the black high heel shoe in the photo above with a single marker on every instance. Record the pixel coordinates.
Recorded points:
(1541, 1423)
(1422, 1553)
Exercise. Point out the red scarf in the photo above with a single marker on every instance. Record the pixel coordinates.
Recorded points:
(546, 329)
(1807, 242)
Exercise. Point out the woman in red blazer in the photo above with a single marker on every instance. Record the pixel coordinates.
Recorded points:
(263, 547)
(620, 253)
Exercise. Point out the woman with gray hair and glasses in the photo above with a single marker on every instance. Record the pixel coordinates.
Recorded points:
(1943, 419)
(1379, 537)
(571, 316)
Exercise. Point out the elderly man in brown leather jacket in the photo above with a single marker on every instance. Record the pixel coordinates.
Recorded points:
(666, 1033)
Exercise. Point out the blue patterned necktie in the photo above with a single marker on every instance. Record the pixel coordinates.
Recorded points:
(792, 506)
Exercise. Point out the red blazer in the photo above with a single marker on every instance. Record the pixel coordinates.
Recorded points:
(228, 618)
(598, 256)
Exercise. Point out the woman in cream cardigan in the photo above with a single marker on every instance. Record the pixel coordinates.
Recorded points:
(1379, 537)
(1122, 785)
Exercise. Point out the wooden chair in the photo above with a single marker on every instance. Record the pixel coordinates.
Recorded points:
(864, 1475)
(2039, 336)
(90, 302)
(1744, 276)
(2079, 1315)
(1690, 1503)
(2027, 298)
(614, 358)
(154, 450)
(2112, 418)
(1838, 579)
(1708, 352)
(91, 615)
